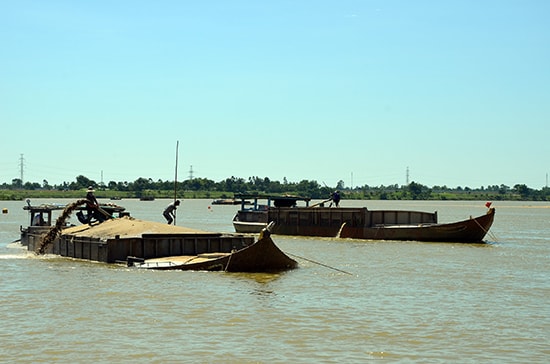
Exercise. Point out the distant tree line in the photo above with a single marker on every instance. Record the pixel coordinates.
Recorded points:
(208, 188)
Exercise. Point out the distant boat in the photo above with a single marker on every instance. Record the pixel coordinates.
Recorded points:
(362, 223)
(225, 201)
(147, 198)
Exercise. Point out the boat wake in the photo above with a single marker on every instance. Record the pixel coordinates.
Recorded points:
(20, 252)
(27, 255)
(23, 255)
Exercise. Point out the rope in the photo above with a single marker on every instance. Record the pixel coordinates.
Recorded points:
(491, 235)
(228, 261)
(324, 265)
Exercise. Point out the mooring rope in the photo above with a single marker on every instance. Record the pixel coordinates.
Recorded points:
(491, 235)
(228, 261)
(324, 265)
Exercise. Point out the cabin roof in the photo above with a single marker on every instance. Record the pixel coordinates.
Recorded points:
(270, 197)
(52, 207)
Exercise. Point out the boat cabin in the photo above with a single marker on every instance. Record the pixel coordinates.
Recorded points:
(255, 218)
(41, 218)
(278, 201)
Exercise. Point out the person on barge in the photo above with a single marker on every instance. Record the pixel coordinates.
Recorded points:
(169, 212)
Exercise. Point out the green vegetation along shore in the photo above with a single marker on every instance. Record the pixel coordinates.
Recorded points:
(204, 188)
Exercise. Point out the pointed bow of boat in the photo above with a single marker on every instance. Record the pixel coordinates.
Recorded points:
(262, 256)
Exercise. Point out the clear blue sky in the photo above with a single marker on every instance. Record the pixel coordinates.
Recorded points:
(457, 91)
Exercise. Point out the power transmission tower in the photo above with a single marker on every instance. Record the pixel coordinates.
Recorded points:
(191, 172)
(21, 166)
(407, 176)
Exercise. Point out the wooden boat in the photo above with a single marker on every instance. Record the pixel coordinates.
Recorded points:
(150, 245)
(362, 223)
(379, 224)
(225, 201)
(261, 256)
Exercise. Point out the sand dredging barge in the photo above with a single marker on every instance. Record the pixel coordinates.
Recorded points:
(152, 245)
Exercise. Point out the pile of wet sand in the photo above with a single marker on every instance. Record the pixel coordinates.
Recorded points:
(124, 227)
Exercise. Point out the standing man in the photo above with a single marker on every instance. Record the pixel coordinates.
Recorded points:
(91, 205)
(169, 211)
(336, 197)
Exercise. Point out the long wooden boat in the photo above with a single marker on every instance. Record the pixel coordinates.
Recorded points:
(379, 225)
(225, 201)
(261, 256)
(150, 245)
(362, 223)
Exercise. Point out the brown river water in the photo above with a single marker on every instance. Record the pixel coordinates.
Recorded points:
(404, 302)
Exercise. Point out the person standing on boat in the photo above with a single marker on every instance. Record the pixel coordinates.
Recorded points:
(91, 205)
(335, 198)
(169, 211)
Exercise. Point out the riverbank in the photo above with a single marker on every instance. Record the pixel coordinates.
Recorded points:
(18, 195)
